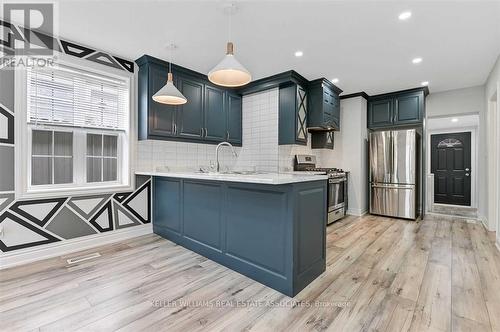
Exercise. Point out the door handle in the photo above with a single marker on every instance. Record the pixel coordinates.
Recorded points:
(467, 169)
(467, 174)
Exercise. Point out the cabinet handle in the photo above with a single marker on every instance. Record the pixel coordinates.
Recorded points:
(206, 132)
(175, 128)
(201, 132)
(227, 135)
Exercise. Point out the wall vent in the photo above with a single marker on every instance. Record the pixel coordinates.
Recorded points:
(79, 259)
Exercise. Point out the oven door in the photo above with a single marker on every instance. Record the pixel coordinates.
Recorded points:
(336, 193)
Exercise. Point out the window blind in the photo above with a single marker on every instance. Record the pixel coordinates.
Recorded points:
(64, 96)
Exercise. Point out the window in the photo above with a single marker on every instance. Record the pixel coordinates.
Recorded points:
(102, 158)
(77, 127)
(51, 157)
(450, 143)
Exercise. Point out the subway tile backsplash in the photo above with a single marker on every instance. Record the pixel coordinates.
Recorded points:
(260, 150)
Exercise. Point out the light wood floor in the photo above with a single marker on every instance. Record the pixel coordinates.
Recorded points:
(382, 275)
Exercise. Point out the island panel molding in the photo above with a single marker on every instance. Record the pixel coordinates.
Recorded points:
(272, 233)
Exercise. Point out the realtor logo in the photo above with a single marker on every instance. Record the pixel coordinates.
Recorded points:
(33, 31)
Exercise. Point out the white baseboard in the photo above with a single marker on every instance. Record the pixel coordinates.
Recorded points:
(29, 255)
(485, 223)
(357, 212)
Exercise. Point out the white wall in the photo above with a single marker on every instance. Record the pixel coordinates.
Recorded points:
(465, 123)
(455, 102)
(491, 207)
(350, 152)
(463, 102)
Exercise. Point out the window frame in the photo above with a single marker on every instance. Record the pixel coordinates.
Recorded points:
(23, 136)
(30, 156)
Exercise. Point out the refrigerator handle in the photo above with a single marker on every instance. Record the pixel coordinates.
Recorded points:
(391, 164)
(393, 186)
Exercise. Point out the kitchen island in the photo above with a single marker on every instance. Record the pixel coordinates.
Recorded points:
(269, 227)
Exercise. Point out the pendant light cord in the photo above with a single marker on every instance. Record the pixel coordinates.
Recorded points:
(230, 13)
(170, 62)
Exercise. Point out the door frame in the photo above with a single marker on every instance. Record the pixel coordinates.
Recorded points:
(493, 164)
(473, 158)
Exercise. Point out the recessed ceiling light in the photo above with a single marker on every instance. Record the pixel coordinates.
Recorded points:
(424, 83)
(299, 53)
(454, 120)
(404, 16)
(335, 80)
(416, 60)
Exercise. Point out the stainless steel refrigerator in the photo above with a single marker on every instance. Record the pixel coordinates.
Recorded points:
(394, 173)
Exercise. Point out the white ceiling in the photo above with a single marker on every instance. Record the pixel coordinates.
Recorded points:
(361, 42)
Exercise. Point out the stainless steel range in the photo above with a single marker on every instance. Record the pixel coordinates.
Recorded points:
(337, 185)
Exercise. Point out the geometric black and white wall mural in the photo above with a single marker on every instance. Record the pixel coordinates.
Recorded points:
(56, 44)
(35, 222)
(30, 223)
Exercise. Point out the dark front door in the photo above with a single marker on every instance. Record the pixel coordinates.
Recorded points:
(451, 166)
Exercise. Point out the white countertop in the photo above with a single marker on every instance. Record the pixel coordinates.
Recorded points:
(263, 178)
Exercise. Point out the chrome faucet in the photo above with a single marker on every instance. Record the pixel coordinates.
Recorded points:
(217, 153)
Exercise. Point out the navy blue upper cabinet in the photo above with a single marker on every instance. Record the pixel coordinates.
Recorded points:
(324, 105)
(161, 118)
(215, 114)
(204, 118)
(380, 112)
(408, 108)
(292, 115)
(405, 108)
(234, 118)
(190, 115)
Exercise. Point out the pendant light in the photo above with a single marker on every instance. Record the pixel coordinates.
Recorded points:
(169, 94)
(229, 72)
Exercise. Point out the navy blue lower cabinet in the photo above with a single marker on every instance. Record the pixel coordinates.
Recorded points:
(167, 205)
(274, 234)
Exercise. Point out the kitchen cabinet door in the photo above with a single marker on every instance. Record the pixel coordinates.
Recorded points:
(214, 114)
(190, 115)
(292, 115)
(234, 119)
(301, 116)
(167, 205)
(336, 112)
(408, 108)
(161, 117)
(380, 113)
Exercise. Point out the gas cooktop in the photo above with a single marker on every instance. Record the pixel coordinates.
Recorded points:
(307, 163)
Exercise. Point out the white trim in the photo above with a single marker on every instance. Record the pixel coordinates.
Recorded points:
(357, 212)
(474, 159)
(484, 221)
(29, 255)
(7, 144)
(497, 244)
(493, 161)
(22, 189)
